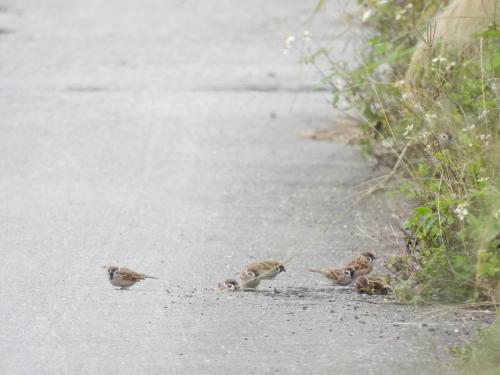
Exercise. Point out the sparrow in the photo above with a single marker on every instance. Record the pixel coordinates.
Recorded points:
(444, 140)
(228, 284)
(372, 285)
(338, 276)
(362, 264)
(252, 274)
(125, 277)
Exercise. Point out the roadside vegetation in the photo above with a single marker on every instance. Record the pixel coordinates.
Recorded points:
(426, 88)
(480, 357)
(432, 103)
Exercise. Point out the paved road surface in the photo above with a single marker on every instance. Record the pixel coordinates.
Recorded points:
(163, 135)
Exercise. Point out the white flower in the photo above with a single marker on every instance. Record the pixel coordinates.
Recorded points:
(423, 135)
(484, 137)
(382, 2)
(483, 114)
(429, 116)
(497, 214)
(461, 211)
(469, 128)
(482, 179)
(289, 40)
(438, 59)
(417, 107)
(409, 128)
(366, 14)
(400, 84)
(306, 36)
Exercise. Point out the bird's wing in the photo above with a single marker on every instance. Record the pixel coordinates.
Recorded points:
(273, 264)
(128, 274)
(267, 265)
(256, 267)
(378, 283)
(358, 263)
(334, 273)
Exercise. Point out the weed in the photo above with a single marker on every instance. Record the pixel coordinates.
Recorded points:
(436, 107)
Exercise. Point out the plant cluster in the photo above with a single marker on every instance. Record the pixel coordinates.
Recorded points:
(442, 128)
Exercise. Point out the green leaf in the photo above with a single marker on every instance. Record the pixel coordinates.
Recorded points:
(421, 211)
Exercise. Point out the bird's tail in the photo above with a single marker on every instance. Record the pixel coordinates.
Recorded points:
(149, 277)
(315, 270)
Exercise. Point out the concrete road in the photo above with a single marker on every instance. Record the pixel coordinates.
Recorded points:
(163, 135)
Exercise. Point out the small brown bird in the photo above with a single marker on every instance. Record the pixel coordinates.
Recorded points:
(362, 264)
(252, 274)
(125, 277)
(444, 139)
(372, 285)
(229, 284)
(338, 276)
